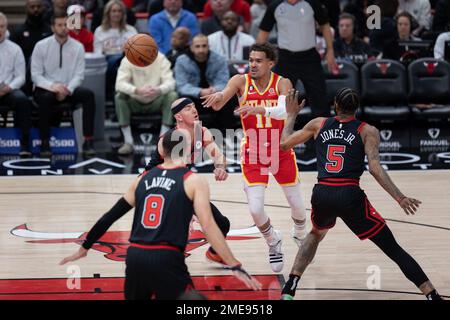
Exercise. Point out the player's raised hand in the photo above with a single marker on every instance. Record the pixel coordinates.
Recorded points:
(81, 253)
(245, 111)
(212, 100)
(247, 279)
(409, 205)
(292, 106)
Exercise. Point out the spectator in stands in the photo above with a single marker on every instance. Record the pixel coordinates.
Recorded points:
(218, 8)
(78, 30)
(180, 44)
(109, 39)
(347, 46)
(380, 37)
(28, 34)
(144, 90)
(98, 14)
(358, 9)
(58, 6)
(212, 24)
(404, 33)
(420, 10)
(12, 77)
(57, 70)
(441, 19)
(194, 6)
(162, 25)
(229, 42)
(201, 72)
(439, 47)
(88, 5)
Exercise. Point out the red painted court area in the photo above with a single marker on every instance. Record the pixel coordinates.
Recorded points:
(213, 287)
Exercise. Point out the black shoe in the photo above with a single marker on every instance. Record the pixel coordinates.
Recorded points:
(24, 151)
(88, 148)
(45, 149)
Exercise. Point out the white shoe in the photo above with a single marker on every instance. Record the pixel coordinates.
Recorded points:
(276, 259)
(125, 149)
(299, 236)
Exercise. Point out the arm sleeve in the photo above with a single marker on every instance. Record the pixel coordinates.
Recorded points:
(37, 69)
(320, 12)
(19, 71)
(269, 20)
(78, 77)
(98, 230)
(278, 112)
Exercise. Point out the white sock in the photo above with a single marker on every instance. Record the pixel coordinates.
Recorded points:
(269, 235)
(127, 136)
(164, 129)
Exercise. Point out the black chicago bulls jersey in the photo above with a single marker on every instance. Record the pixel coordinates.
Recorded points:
(339, 149)
(163, 210)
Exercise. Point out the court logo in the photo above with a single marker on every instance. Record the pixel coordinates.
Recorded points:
(114, 244)
(388, 143)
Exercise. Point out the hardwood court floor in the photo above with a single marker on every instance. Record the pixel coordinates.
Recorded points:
(58, 209)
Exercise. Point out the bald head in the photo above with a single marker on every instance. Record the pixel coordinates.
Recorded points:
(180, 38)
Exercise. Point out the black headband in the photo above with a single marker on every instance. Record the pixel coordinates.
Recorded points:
(181, 105)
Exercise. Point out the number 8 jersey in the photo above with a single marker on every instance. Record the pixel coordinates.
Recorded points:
(340, 149)
(163, 210)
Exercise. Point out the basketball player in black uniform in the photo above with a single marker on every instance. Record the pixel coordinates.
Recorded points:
(165, 199)
(186, 117)
(342, 143)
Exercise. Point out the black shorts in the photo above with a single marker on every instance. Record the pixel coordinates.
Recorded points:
(348, 202)
(156, 274)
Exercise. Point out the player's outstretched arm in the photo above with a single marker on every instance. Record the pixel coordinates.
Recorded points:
(219, 99)
(98, 230)
(197, 189)
(371, 140)
(214, 153)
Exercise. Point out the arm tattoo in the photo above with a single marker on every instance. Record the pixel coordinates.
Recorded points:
(288, 127)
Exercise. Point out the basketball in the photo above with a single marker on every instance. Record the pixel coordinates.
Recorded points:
(141, 50)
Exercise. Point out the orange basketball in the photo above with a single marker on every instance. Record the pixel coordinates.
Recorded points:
(141, 50)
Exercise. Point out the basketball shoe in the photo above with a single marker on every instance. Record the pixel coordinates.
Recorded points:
(276, 258)
(214, 258)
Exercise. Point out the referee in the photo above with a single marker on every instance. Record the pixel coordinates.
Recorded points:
(298, 57)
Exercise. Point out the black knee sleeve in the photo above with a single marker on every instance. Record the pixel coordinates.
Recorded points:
(221, 220)
(386, 242)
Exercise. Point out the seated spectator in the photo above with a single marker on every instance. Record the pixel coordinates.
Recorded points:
(28, 34)
(439, 47)
(98, 14)
(347, 46)
(321, 42)
(162, 25)
(212, 23)
(420, 10)
(194, 6)
(257, 11)
(144, 90)
(88, 5)
(230, 42)
(180, 44)
(380, 37)
(404, 27)
(12, 77)
(58, 6)
(441, 19)
(109, 39)
(201, 72)
(219, 7)
(358, 9)
(80, 32)
(57, 70)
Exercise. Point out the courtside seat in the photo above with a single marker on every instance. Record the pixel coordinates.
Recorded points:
(348, 76)
(429, 82)
(384, 93)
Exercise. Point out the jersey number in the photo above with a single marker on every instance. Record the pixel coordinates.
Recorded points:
(335, 158)
(260, 124)
(153, 209)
